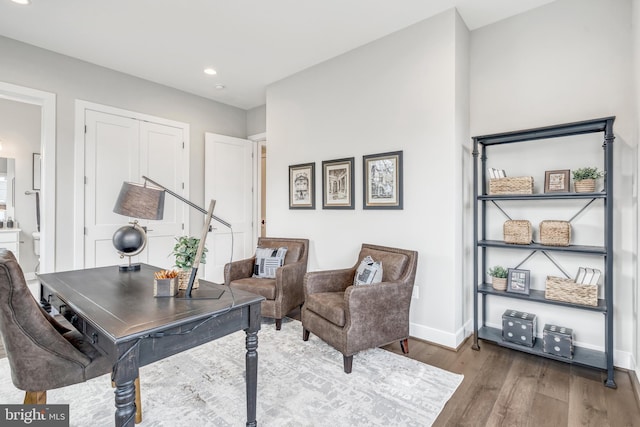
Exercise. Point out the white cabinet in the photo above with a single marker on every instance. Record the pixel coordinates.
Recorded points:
(10, 239)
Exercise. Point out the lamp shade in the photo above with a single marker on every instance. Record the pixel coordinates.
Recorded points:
(140, 201)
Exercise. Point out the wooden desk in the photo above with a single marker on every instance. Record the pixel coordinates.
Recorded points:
(118, 313)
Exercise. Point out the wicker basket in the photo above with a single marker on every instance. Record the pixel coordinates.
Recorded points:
(585, 186)
(567, 290)
(183, 280)
(555, 233)
(511, 185)
(517, 232)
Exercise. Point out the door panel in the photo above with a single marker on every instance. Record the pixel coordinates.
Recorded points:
(161, 154)
(111, 157)
(229, 180)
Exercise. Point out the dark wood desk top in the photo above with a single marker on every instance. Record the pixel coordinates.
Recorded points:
(122, 306)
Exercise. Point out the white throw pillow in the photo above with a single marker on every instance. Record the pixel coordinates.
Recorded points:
(268, 260)
(369, 272)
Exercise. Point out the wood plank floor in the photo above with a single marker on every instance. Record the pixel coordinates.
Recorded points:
(503, 387)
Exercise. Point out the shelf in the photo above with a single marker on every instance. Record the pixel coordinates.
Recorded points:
(538, 296)
(544, 196)
(568, 129)
(582, 356)
(594, 250)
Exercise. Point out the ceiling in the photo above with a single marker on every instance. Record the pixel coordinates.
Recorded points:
(251, 43)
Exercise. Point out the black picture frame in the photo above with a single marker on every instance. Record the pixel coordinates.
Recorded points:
(557, 181)
(518, 281)
(382, 181)
(302, 187)
(337, 184)
(37, 171)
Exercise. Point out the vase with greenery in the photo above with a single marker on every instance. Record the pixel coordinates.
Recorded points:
(584, 179)
(498, 278)
(184, 252)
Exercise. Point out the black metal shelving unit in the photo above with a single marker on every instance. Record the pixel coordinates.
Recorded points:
(482, 291)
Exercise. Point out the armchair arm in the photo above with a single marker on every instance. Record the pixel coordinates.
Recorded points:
(328, 281)
(238, 270)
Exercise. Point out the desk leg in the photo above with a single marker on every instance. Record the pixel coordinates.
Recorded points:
(124, 375)
(251, 362)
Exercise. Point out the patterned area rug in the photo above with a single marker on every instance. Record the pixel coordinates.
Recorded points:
(299, 384)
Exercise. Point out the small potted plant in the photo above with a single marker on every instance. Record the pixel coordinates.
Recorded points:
(184, 252)
(584, 179)
(498, 278)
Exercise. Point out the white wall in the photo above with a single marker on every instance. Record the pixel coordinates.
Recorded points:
(402, 92)
(71, 79)
(257, 120)
(565, 61)
(20, 135)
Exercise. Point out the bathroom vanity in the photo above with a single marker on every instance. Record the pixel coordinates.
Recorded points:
(10, 239)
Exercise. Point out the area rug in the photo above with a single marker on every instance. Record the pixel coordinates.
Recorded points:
(299, 384)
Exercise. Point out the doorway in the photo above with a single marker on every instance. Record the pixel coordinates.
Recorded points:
(47, 103)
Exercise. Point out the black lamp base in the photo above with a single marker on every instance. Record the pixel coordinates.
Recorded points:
(201, 294)
(129, 267)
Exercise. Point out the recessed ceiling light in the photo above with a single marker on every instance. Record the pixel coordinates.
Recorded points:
(23, 2)
(210, 71)
(219, 86)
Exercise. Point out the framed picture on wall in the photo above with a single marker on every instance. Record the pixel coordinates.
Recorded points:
(337, 184)
(302, 188)
(36, 171)
(382, 181)
(556, 181)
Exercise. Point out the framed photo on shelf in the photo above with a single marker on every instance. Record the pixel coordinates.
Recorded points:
(337, 184)
(556, 181)
(518, 281)
(382, 181)
(302, 193)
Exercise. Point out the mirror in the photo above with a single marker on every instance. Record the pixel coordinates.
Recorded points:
(7, 188)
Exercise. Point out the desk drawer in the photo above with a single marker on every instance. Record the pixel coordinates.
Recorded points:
(9, 236)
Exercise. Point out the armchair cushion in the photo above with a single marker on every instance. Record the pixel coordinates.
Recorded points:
(268, 260)
(264, 287)
(394, 263)
(329, 305)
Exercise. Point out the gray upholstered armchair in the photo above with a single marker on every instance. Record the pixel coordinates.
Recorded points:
(284, 292)
(43, 354)
(354, 318)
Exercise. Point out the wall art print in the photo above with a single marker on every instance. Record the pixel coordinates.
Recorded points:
(337, 184)
(382, 181)
(302, 193)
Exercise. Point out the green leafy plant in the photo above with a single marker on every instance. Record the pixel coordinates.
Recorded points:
(498, 271)
(587, 173)
(185, 251)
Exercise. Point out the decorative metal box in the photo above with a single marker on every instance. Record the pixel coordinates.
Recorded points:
(557, 340)
(519, 327)
(165, 287)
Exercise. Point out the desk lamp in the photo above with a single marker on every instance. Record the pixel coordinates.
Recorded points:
(147, 202)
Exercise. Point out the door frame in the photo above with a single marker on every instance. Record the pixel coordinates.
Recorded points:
(79, 170)
(47, 103)
(260, 140)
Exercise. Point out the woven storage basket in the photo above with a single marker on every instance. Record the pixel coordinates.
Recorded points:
(511, 185)
(517, 231)
(555, 233)
(499, 283)
(183, 280)
(567, 290)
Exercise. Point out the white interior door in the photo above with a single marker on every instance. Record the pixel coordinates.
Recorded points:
(121, 149)
(229, 176)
